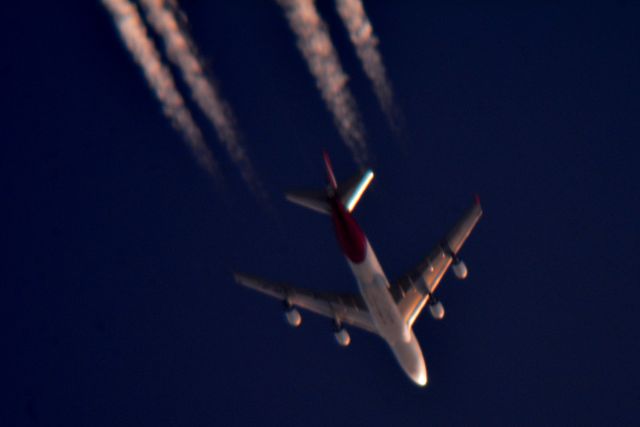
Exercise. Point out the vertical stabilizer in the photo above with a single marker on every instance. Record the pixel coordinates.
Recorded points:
(330, 176)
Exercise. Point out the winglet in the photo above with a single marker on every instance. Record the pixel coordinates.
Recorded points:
(330, 176)
(477, 199)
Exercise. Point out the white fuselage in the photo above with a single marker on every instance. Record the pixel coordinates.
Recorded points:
(391, 326)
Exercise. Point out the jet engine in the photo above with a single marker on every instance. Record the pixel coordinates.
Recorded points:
(293, 317)
(342, 337)
(460, 269)
(436, 309)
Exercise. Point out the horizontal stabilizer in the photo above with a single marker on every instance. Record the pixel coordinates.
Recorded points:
(352, 190)
(315, 200)
(348, 192)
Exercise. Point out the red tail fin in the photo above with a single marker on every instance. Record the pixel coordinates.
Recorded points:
(330, 176)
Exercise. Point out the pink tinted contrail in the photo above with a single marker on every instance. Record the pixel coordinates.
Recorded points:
(365, 41)
(162, 16)
(323, 62)
(134, 35)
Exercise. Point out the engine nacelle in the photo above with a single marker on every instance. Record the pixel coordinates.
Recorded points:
(436, 310)
(460, 269)
(342, 337)
(293, 317)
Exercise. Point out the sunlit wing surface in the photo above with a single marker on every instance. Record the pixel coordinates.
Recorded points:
(345, 308)
(413, 290)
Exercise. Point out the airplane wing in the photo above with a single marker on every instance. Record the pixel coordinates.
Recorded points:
(414, 290)
(346, 308)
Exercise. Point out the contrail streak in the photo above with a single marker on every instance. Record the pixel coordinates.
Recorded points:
(365, 41)
(181, 50)
(134, 35)
(323, 62)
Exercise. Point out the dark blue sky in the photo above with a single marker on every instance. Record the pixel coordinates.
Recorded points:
(119, 307)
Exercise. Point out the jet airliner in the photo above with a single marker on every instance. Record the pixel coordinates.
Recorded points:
(386, 309)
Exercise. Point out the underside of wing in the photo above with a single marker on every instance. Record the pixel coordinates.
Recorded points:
(341, 307)
(415, 289)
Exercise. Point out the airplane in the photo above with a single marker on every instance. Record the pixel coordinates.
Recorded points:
(385, 309)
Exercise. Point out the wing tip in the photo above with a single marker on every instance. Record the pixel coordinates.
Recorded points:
(476, 198)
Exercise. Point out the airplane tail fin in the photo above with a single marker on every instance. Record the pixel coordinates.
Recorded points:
(330, 175)
(348, 192)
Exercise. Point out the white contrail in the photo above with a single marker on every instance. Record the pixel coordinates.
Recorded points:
(162, 16)
(365, 41)
(323, 62)
(134, 35)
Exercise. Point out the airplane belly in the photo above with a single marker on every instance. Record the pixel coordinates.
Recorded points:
(374, 288)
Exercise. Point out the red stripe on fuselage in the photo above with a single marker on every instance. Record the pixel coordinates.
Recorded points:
(350, 237)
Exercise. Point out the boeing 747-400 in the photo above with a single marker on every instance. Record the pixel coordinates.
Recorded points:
(386, 309)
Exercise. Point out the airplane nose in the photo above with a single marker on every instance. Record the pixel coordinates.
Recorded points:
(409, 356)
(420, 375)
